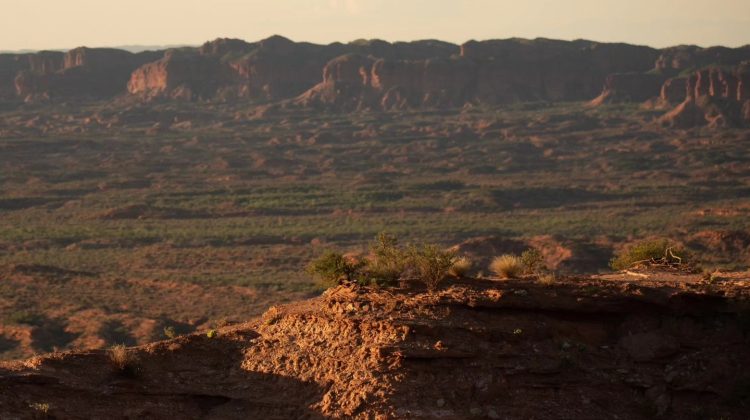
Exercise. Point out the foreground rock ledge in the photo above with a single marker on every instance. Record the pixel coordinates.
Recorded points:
(579, 348)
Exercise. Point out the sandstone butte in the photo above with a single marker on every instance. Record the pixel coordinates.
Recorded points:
(693, 85)
(581, 348)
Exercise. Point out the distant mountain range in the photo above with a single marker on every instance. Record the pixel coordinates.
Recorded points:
(378, 75)
(130, 48)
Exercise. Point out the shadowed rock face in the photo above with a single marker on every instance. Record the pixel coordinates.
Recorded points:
(492, 72)
(89, 73)
(579, 348)
(686, 57)
(674, 90)
(272, 69)
(179, 75)
(629, 87)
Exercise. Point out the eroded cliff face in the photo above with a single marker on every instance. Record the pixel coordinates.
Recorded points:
(89, 73)
(272, 69)
(630, 87)
(374, 74)
(180, 75)
(490, 72)
(714, 96)
(685, 57)
(664, 345)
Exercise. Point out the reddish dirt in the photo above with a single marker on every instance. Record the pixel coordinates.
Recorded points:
(585, 348)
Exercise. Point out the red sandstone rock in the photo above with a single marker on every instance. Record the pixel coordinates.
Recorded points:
(629, 87)
(686, 114)
(179, 75)
(414, 74)
(743, 82)
(578, 348)
(79, 73)
(674, 90)
(714, 98)
(683, 57)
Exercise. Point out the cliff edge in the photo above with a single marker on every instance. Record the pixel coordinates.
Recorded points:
(631, 347)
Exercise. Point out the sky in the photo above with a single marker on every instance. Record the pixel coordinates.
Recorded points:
(63, 24)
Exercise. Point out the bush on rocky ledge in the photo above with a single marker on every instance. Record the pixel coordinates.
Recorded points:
(388, 265)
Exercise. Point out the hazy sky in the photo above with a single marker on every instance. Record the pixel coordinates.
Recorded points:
(52, 24)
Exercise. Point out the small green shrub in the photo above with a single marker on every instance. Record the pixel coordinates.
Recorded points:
(532, 260)
(430, 264)
(507, 266)
(389, 265)
(460, 267)
(25, 317)
(332, 267)
(649, 252)
(389, 261)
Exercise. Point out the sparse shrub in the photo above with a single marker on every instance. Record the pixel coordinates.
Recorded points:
(389, 265)
(121, 359)
(389, 261)
(650, 253)
(547, 278)
(460, 266)
(712, 276)
(430, 264)
(170, 332)
(332, 267)
(41, 407)
(532, 260)
(25, 317)
(507, 266)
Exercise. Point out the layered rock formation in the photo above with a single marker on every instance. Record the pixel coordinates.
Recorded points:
(179, 74)
(491, 72)
(81, 73)
(630, 87)
(585, 348)
(379, 75)
(714, 96)
(689, 57)
(272, 69)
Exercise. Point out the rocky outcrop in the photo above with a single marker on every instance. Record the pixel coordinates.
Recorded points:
(743, 82)
(589, 348)
(396, 75)
(674, 90)
(714, 96)
(629, 87)
(12, 65)
(690, 57)
(272, 69)
(280, 68)
(91, 73)
(490, 72)
(180, 75)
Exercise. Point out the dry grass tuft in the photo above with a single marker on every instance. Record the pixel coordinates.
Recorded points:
(460, 267)
(120, 358)
(507, 266)
(547, 279)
